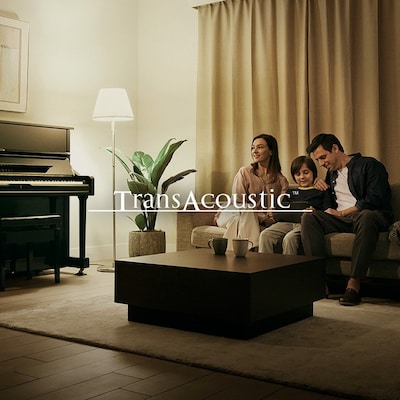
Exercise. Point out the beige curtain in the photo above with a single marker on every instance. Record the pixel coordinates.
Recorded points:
(294, 68)
(389, 88)
(252, 79)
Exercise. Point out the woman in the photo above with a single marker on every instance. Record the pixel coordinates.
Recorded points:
(256, 184)
(287, 229)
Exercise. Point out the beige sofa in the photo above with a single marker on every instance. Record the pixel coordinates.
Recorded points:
(195, 229)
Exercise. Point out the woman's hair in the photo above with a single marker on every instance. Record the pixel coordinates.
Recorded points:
(298, 162)
(274, 166)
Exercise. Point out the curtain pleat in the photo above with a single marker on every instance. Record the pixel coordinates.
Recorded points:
(293, 69)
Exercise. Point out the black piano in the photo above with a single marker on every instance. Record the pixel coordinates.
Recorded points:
(36, 178)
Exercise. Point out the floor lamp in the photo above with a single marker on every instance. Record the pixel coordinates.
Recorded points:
(112, 105)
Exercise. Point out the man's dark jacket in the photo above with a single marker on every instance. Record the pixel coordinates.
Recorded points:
(368, 183)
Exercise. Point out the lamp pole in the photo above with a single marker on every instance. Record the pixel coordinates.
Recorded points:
(114, 238)
(112, 104)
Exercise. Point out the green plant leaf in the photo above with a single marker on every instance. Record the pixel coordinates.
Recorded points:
(175, 178)
(163, 159)
(144, 162)
(142, 187)
(163, 151)
(141, 222)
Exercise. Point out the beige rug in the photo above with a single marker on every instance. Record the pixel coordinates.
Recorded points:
(352, 351)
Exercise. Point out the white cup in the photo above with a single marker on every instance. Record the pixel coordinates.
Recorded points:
(240, 246)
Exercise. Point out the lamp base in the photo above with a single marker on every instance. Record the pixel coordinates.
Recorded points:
(107, 268)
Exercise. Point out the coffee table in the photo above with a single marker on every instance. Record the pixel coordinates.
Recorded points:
(221, 295)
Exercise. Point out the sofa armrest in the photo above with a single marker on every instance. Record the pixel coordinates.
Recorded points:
(186, 221)
(184, 226)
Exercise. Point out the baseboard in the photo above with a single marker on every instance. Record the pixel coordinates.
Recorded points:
(104, 252)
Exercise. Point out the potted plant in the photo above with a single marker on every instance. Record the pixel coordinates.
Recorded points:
(144, 175)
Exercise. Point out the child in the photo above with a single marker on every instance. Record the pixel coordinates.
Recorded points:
(287, 227)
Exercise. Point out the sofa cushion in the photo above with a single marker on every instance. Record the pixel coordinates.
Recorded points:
(341, 244)
(202, 234)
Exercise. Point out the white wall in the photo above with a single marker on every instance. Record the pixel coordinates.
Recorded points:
(167, 70)
(148, 47)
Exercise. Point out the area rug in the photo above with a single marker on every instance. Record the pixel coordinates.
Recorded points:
(352, 351)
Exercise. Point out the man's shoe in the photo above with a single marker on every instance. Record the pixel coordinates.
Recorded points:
(350, 298)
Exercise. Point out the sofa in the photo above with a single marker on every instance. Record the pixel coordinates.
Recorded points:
(195, 229)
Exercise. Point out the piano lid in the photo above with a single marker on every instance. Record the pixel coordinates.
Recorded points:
(15, 166)
(34, 150)
(19, 137)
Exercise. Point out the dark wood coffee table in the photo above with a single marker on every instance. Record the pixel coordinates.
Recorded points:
(222, 295)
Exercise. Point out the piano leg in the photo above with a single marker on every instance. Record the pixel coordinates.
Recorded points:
(82, 261)
(82, 233)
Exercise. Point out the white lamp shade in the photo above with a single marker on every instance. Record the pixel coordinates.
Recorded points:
(112, 104)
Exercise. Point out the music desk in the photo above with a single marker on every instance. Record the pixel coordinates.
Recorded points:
(221, 295)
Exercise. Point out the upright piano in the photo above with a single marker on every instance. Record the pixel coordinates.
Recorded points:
(36, 178)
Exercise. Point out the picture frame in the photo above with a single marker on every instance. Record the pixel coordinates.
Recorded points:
(14, 49)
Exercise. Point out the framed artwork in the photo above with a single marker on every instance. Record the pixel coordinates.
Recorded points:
(14, 43)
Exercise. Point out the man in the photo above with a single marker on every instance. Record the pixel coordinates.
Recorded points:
(361, 191)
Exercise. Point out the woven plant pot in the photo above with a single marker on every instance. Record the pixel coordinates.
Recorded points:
(144, 243)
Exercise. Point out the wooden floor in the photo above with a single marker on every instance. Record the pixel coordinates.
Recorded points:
(38, 367)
